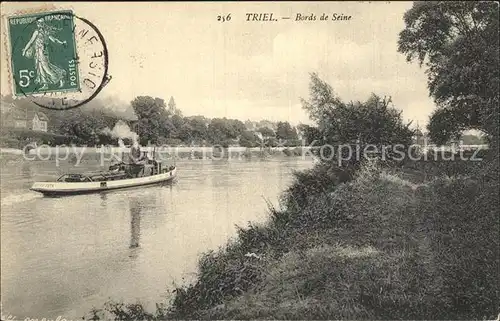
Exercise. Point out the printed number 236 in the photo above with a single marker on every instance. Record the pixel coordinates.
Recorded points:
(224, 18)
(24, 77)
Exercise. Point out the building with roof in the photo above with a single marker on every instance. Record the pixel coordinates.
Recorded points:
(23, 118)
(39, 122)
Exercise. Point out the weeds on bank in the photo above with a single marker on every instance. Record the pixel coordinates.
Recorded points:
(359, 244)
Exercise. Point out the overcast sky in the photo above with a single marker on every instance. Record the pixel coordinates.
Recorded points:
(252, 70)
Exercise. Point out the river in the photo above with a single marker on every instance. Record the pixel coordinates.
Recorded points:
(63, 256)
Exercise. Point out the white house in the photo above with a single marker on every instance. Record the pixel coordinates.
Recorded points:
(22, 118)
(39, 122)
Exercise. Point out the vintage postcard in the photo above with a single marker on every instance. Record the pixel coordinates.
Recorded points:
(249, 160)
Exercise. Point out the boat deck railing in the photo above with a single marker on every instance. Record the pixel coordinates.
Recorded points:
(99, 176)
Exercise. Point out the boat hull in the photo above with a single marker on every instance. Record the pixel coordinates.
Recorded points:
(65, 188)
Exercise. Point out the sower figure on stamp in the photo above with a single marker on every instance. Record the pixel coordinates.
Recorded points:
(46, 72)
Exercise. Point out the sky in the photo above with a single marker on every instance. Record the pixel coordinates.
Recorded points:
(249, 69)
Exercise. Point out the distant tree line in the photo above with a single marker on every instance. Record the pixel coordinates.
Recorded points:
(155, 123)
(158, 125)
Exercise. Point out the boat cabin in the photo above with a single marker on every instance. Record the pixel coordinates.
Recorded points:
(118, 172)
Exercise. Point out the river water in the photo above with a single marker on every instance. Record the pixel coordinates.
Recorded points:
(63, 256)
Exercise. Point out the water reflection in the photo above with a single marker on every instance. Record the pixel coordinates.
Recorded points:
(26, 169)
(135, 222)
(61, 256)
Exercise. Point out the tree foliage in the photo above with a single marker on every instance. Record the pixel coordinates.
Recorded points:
(84, 126)
(266, 132)
(310, 134)
(374, 121)
(249, 139)
(458, 44)
(221, 131)
(285, 131)
(445, 125)
(198, 128)
(153, 120)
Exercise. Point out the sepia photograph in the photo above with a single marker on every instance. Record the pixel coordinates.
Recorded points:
(288, 160)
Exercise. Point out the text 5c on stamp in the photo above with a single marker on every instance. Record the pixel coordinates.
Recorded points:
(43, 53)
(58, 60)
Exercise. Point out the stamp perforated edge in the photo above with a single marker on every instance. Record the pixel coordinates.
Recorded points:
(7, 49)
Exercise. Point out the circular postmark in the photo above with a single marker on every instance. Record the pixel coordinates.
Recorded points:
(58, 59)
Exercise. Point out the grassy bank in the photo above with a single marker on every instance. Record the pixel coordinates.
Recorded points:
(353, 245)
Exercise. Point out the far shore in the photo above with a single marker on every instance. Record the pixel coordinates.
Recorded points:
(106, 149)
(184, 152)
(44, 149)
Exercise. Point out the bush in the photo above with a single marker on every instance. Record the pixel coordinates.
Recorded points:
(221, 276)
(374, 121)
(197, 155)
(462, 214)
(123, 312)
(265, 153)
(247, 153)
(298, 151)
(293, 143)
(322, 179)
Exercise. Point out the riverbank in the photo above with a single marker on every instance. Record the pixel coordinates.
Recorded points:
(385, 244)
(165, 154)
(376, 247)
(11, 151)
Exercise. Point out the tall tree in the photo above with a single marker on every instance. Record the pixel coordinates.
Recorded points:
(84, 126)
(220, 131)
(153, 121)
(374, 121)
(177, 123)
(285, 131)
(185, 132)
(310, 134)
(199, 128)
(249, 139)
(458, 44)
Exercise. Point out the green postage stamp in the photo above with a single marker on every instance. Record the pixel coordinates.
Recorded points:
(43, 53)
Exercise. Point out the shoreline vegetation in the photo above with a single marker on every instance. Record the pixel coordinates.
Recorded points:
(172, 154)
(422, 158)
(373, 239)
(378, 242)
(364, 239)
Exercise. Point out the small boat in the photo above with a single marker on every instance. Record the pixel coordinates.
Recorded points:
(118, 176)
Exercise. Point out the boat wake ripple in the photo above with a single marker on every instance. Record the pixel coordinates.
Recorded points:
(12, 199)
